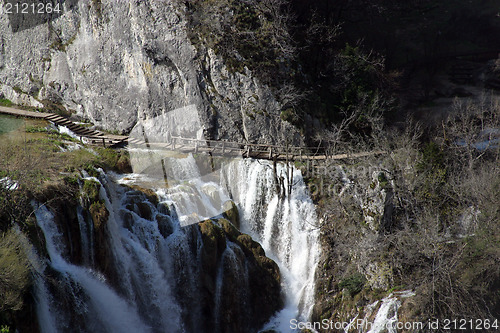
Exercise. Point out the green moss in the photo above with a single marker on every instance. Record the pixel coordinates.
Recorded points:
(229, 229)
(214, 242)
(90, 168)
(99, 214)
(36, 129)
(149, 193)
(90, 190)
(5, 102)
(382, 180)
(113, 159)
(249, 244)
(231, 213)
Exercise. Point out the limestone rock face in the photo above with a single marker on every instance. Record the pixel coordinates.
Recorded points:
(377, 202)
(115, 62)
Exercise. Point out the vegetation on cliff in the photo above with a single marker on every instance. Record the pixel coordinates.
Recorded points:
(425, 218)
(36, 165)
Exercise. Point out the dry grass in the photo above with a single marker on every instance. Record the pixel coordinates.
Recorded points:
(14, 271)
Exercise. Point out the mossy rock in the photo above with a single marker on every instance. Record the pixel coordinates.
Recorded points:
(123, 164)
(250, 245)
(90, 190)
(229, 229)
(270, 266)
(144, 210)
(99, 214)
(164, 225)
(214, 243)
(231, 213)
(149, 193)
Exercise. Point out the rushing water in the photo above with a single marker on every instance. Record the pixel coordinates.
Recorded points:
(157, 261)
(286, 228)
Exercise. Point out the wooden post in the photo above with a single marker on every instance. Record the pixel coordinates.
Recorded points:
(103, 142)
(270, 152)
(223, 147)
(196, 147)
(173, 143)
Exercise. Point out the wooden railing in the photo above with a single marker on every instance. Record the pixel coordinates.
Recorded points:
(246, 150)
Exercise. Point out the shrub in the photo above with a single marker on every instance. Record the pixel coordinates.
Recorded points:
(354, 284)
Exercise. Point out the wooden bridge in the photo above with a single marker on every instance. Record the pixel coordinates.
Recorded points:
(189, 145)
(91, 136)
(247, 150)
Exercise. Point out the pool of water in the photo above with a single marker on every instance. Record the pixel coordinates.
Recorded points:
(9, 124)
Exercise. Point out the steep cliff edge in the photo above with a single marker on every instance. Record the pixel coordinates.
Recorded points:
(115, 62)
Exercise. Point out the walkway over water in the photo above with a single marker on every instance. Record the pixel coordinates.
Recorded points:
(189, 145)
(93, 137)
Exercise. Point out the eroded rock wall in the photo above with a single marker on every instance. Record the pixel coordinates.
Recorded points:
(115, 62)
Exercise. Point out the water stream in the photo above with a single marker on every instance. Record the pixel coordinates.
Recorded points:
(157, 258)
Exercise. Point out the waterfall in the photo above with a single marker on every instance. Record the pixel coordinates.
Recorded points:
(154, 278)
(105, 309)
(286, 228)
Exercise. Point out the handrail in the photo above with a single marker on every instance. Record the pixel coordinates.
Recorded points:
(246, 144)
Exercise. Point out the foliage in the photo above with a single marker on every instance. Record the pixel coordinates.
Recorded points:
(90, 191)
(433, 171)
(361, 88)
(253, 34)
(36, 129)
(55, 107)
(113, 159)
(432, 158)
(443, 240)
(354, 284)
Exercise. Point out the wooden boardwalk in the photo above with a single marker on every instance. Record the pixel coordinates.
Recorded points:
(91, 136)
(186, 145)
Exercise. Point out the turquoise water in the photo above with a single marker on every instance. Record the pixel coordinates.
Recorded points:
(8, 123)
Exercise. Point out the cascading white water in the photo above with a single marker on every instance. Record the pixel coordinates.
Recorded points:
(157, 261)
(286, 228)
(105, 308)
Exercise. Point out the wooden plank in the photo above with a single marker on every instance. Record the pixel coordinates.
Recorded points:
(22, 113)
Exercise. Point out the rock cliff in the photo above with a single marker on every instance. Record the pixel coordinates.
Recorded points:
(115, 63)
